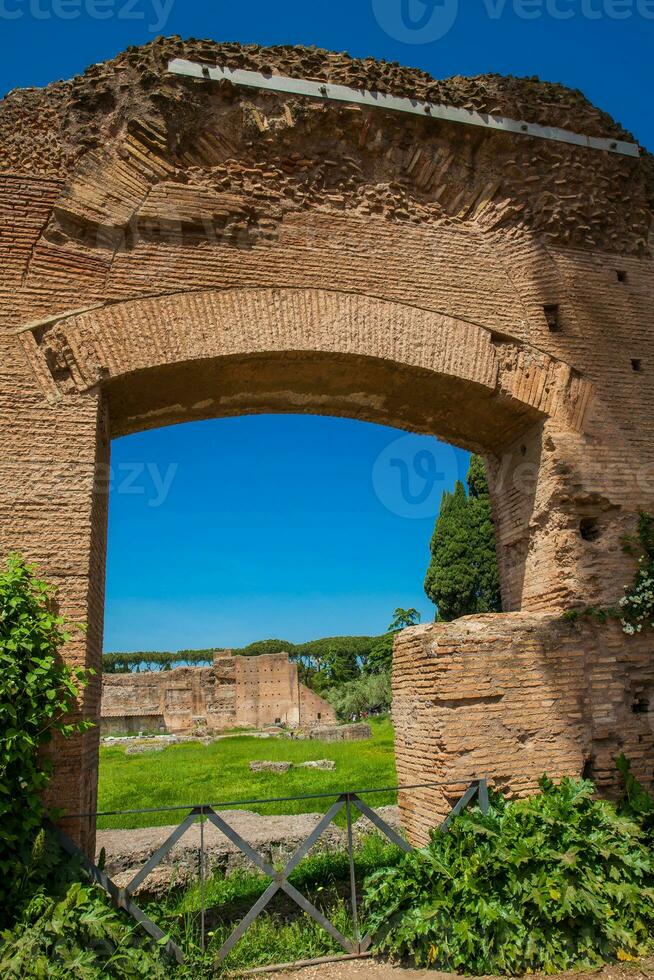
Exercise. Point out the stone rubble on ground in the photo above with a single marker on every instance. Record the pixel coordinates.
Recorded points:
(267, 765)
(341, 733)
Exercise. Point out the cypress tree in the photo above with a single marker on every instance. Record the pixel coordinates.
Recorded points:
(482, 539)
(462, 577)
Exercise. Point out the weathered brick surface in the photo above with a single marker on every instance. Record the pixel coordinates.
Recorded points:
(237, 251)
(510, 697)
(234, 692)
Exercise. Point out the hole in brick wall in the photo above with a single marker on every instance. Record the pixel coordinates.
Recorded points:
(636, 364)
(621, 275)
(640, 706)
(552, 317)
(588, 770)
(589, 529)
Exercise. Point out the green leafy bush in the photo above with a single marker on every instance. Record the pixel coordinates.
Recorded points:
(36, 692)
(553, 882)
(636, 802)
(77, 935)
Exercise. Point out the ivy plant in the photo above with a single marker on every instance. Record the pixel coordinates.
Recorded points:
(635, 610)
(637, 604)
(37, 692)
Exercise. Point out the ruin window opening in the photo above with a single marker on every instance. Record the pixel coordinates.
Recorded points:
(589, 529)
(636, 364)
(553, 317)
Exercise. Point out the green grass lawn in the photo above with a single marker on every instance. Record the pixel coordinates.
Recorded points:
(192, 773)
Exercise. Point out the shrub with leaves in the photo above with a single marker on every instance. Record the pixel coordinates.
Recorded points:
(77, 935)
(636, 802)
(549, 883)
(36, 692)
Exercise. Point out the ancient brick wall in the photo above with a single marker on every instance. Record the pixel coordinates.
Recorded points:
(175, 250)
(236, 692)
(511, 698)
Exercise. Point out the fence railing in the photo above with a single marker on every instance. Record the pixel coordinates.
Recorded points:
(349, 801)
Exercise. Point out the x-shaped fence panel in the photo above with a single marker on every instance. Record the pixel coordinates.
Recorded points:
(279, 880)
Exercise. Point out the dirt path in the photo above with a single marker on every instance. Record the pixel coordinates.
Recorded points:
(374, 970)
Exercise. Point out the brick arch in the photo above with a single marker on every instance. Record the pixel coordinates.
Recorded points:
(194, 355)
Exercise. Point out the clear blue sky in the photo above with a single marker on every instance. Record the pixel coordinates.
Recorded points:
(232, 530)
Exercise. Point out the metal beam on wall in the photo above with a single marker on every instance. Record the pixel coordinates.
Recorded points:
(394, 103)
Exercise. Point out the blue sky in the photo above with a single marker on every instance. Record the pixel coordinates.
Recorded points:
(232, 530)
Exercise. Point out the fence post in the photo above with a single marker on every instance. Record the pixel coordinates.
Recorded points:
(353, 880)
(483, 795)
(202, 917)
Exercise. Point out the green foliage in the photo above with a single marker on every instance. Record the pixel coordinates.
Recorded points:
(283, 933)
(315, 873)
(146, 660)
(403, 618)
(463, 577)
(272, 938)
(635, 610)
(79, 935)
(637, 604)
(36, 692)
(380, 660)
(636, 802)
(553, 882)
(368, 694)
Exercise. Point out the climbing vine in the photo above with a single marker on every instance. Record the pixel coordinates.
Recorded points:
(637, 604)
(635, 610)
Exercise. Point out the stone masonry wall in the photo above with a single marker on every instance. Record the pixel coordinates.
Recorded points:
(236, 692)
(175, 250)
(512, 697)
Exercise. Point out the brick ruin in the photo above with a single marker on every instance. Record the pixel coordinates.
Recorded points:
(175, 249)
(235, 692)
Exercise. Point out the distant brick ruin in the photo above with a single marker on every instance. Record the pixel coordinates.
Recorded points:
(235, 692)
(177, 249)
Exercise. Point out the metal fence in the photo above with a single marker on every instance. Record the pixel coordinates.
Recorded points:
(353, 946)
